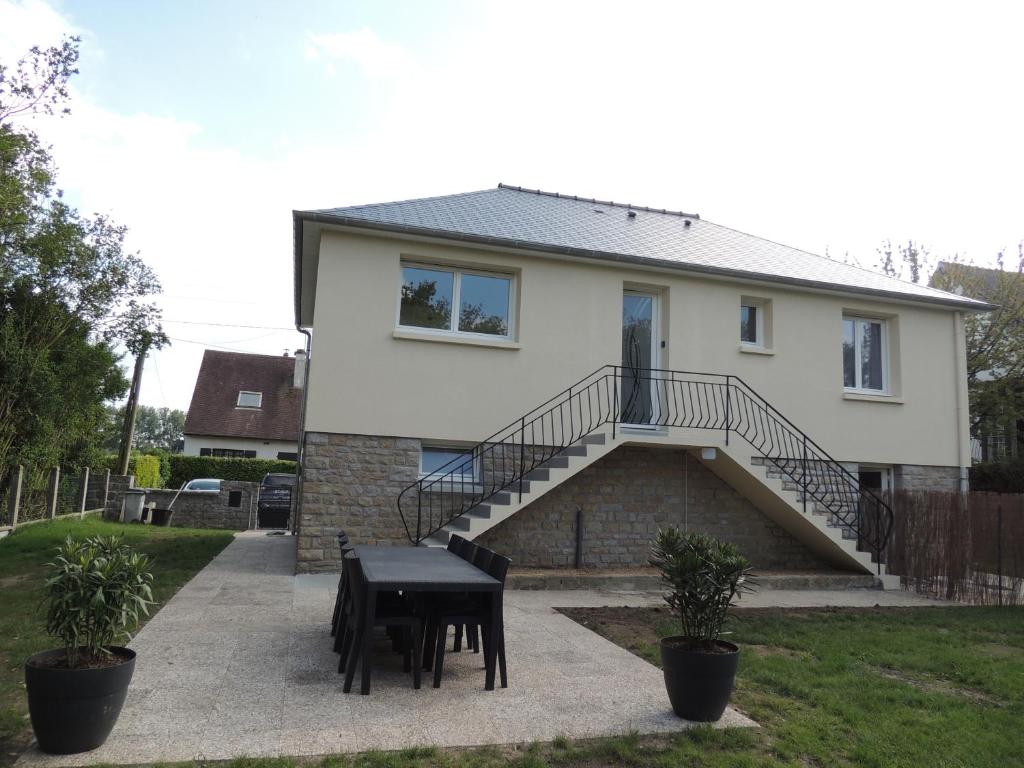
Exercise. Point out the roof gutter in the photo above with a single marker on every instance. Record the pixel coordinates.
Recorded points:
(331, 219)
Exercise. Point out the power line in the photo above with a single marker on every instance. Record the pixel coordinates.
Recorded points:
(232, 325)
(213, 346)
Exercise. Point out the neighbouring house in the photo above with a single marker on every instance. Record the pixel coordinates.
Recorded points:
(995, 436)
(558, 376)
(246, 406)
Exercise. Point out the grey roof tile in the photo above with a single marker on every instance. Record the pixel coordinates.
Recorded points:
(519, 217)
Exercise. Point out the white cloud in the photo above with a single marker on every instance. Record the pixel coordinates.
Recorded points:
(818, 126)
(375, 56)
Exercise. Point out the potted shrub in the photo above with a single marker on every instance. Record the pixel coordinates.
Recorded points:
(97, 590)
(703, 576)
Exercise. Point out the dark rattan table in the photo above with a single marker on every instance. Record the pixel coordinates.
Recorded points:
(423, 569)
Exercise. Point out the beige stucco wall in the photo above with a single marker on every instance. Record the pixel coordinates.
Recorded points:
(265, 449)
(364, 380)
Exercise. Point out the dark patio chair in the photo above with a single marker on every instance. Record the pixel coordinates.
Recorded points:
(472, 613)
(390, 611)
(344, 546)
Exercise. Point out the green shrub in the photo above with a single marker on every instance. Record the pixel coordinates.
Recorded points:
(998, 477)
(150, 470)
(702, 576)
(97, 590)
(185, 468)
(147, 472)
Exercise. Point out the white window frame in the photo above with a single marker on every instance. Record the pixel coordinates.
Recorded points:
(857, 370)
(884, 469)
(259, 399)
(472, 478)
(759, 305)
(453, 322)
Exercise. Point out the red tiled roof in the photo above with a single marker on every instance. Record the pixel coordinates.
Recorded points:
(214, 411)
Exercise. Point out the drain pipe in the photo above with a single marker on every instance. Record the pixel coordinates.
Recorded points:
(300, 454)
(963, 427)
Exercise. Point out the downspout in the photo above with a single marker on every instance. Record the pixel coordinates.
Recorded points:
(301, 452)
(963, 427)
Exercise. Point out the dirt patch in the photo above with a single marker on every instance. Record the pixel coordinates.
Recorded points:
(1000, 651)
(764, 651)
(938, 685)
(13, 581)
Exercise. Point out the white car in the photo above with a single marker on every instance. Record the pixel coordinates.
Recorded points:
(210, 485)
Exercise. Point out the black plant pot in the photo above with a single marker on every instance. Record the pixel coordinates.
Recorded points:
(74, 710)
(699, 683)
(162, 517)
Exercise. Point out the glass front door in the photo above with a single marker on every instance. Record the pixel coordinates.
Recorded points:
(639, 357)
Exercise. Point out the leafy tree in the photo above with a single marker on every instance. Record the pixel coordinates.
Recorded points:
(70, 296)
(162, 428)
(995, 340)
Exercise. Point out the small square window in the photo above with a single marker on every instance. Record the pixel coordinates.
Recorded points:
(250, 399)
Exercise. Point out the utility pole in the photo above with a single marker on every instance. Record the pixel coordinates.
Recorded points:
(130, 409)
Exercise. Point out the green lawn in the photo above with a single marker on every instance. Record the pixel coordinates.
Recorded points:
(178, 553)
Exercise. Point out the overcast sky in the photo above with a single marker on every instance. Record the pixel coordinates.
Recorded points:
(201, 125)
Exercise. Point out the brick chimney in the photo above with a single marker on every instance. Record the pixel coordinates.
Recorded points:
(299, 380)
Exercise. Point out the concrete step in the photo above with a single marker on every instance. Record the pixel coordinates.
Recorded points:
(598, 438)
(648, 580)
(557, 462)
(573, 450)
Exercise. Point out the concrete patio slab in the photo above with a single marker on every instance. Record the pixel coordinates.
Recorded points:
(239, 663)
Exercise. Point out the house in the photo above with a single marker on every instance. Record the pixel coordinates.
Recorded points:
(246, 406)
(518, 367)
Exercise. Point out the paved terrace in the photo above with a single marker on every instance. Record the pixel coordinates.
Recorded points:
(239, 663)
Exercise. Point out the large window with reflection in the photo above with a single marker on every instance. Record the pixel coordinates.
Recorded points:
(456, 301)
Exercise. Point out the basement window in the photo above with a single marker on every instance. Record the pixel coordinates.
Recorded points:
(249, 399)
(438, 461)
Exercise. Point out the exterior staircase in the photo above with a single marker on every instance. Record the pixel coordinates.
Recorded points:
(756, 451)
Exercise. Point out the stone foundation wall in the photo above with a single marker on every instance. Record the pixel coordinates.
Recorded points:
(919, 477)
(350, 483)
(625, 497)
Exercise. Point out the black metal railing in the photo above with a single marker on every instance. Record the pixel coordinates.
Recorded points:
(646, 398)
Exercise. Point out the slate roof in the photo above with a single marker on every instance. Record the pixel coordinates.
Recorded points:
(223, 375)
(515, 217)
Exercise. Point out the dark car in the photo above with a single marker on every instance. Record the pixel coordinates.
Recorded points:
(275, 504)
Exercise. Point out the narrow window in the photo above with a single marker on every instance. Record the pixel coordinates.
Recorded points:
(455, 462)
(455, 301)
(250, 399)
(755, 322)
(749, 316)
(864, 355)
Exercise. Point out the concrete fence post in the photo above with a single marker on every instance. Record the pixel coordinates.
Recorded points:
(106, 491)
(14, 500)
(52, 493)
(83, 490)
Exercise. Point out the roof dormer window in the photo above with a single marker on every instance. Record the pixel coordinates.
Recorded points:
(250, 399)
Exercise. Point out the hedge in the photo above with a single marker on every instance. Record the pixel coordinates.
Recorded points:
(185, 468)
(150, 470)
(998, 477)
